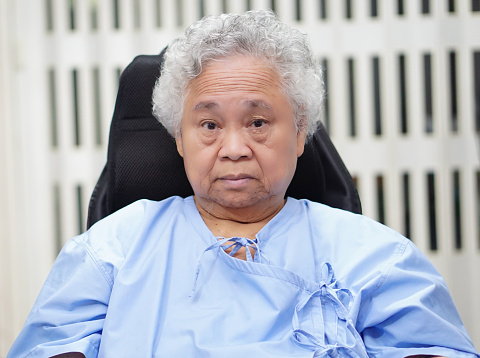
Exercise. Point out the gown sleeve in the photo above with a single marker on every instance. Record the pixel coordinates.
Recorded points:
(69, 312)
(411, 312)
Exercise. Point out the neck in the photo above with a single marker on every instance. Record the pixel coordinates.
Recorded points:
(241, 222)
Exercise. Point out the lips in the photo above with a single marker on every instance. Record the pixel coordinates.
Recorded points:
(235, 177)
(236, 180)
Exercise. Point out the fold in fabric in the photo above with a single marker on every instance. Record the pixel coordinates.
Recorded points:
(315, 328)
(321, 321)
(237, 243)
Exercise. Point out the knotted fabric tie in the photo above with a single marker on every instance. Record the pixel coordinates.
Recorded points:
(324, 339)
(236, 243)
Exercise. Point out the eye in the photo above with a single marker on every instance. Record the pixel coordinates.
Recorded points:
(257, 123)
(211, 126)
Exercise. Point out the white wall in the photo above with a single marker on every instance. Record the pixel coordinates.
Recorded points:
(46, 178)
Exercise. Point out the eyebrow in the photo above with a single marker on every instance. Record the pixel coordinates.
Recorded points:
(247, 103)
(207, 105)
(256, 104)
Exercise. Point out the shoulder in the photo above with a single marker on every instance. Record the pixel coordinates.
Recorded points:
(350, 239)
(341, 226)
(128, 220)
(360, 250)
(111, 239)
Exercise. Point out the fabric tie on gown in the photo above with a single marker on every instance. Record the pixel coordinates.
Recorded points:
(236, 244)
(321, 321)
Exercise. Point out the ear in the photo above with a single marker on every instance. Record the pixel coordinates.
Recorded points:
(301, 137)
(179, 142)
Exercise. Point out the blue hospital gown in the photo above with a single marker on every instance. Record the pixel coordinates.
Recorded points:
(151, 280)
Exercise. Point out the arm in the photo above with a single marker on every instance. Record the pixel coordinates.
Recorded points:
(69, 312)
(411, 313)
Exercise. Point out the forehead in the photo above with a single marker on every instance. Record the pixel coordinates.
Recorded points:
(236, 75)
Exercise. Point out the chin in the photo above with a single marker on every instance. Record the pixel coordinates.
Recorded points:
(240, 201)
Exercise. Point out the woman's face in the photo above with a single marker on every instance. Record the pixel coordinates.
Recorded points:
(238, 137)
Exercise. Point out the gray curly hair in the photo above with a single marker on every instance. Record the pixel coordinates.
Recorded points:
(255, 33)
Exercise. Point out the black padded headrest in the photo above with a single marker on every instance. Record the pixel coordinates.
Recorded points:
(143, 163)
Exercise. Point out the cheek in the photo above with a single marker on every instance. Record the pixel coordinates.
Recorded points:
(198, 163)
(279, 172)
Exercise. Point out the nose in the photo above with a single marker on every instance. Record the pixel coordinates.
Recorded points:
(234, 145)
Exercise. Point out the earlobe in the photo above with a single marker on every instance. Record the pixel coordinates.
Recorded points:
(178, 141)
(301, 137)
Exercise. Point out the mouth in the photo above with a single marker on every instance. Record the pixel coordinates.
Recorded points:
(236, 180)
(235, 177)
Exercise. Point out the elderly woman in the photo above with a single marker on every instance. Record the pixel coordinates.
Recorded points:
(238, 270)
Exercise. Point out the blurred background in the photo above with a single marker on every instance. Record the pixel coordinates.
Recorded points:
(403, 109)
